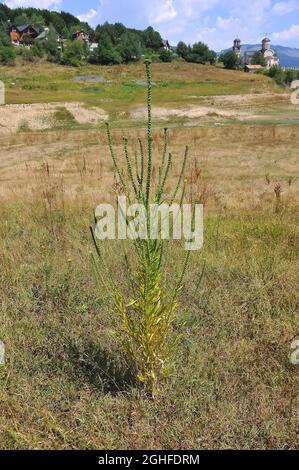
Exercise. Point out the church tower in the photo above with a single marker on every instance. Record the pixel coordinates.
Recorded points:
(237, 47)
(266, 44)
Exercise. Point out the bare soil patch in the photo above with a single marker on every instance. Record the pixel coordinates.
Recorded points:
(39, 116)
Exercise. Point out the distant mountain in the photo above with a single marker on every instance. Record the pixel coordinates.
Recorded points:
(288, 56)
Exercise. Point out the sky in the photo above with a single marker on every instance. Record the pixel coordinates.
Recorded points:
(215, 22)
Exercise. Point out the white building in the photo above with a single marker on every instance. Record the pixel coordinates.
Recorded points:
(269, 54)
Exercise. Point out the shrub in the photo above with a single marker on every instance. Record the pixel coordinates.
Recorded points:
(63, 116)
(4, 39)
(38, 50)
(27, 54)
(106, 53)
(258, 59)
(166, 56)
(230, 60)
(290, 76)
(74, 54)
(277, 74)
(23, 126)
(7, 55)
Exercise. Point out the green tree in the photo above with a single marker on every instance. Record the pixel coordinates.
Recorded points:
(38, 21)
(58, 22)
(130, 47)
(21, 19)
(277, 74)
(201, 54)
(73, 54)
(290, 76)
(166, 56)
(107, 29)
(119, 30)
(183, 50)
(230, 60)
(212, 57)
(38, 50)
(258, 59)
(51, 45)
(7, 55)
(4, 40)
(69, 19)
(106, 53)
(152, 39)
(5, 13)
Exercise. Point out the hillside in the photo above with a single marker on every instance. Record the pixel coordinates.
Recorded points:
(42, 95)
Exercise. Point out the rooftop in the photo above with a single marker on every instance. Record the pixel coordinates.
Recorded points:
(254, 67)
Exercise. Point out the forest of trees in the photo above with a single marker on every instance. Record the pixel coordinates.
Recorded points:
(116, 43)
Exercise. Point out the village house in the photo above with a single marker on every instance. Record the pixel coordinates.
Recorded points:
(23, 34)
(166, 46)
(85, 37)
(81, 36)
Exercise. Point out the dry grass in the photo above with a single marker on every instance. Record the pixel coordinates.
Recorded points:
(238, 166)
(66, 383)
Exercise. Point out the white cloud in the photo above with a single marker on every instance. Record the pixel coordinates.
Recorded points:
(33, 3)
(284, 8)
(287, 34)
(202, 36)
(217, 23)
(85, 17)
(254, 11)
(163, 11)
(197, 7)
(227, 23)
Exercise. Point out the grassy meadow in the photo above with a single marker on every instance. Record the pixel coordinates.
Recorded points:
(123, 84)
(66, 383)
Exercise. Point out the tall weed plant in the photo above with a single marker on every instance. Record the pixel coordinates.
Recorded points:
(145, 318)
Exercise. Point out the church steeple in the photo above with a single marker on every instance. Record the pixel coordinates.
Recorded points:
(266, 44)
(237, 46)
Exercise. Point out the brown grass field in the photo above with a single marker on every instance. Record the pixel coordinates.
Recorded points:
(65, 383)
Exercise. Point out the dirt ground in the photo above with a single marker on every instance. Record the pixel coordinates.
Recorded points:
(40, 116)
(190, 112)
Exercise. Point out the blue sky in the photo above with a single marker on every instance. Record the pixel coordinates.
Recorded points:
(215, 22)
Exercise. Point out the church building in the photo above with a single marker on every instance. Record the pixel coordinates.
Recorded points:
(269, 54)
